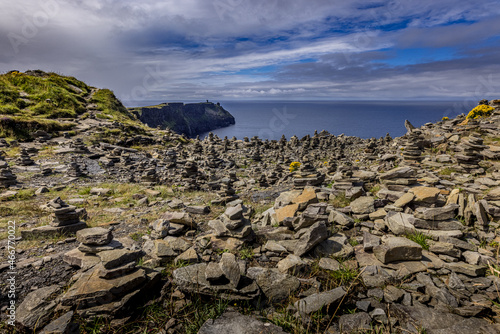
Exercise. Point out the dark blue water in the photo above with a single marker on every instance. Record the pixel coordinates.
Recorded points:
(365, 119)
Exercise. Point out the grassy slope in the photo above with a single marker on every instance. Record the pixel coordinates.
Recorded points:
(32, 102)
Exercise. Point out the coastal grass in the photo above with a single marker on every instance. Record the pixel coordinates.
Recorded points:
(419, 238)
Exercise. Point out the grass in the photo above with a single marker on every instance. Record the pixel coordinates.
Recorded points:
(246, 253)
(340, 201)
(419, 238)
(447, 171)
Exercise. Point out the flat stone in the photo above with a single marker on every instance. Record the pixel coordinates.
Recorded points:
(183, 218)
(398, 249)
(370, 241)
(379, 214)
(444, 248)
(291, 264)
(459, 243)
(79, 259)
(398, 173)
(96, 236)
(100, 191)
(51, 231)
(61, 325)
(399, 223)
(466, 269)
(363, 205)
(439, 225)
(114, 244)
(235, 323)
(340, 218)
(316, 301)
(198, 210)
(189, 256)
(393, 294)
(115, 272)
(442, 213)
(354, 323)
(327, 263)
(425, 194)
(36, 308)
(308, 196)
(115, 258)
(286, 211)
(273, 246)
(403, 200)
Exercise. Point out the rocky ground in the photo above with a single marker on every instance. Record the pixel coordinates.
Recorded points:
(324, 234)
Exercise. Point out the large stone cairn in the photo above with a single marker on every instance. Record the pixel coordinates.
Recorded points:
(7, 178)
(24, 158)
(411, 151)
(114, 282)
(307, 176)
(232, 223)
(470, 155)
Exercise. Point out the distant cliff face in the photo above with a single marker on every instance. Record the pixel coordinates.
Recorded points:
(191, 119)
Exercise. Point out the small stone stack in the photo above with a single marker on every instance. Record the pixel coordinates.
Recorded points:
(262, 181)
(226, 192)
(92, 241)
(65, 220)
(7, 178)
(171, 159)
(256, 155)
(190, 170)
(232, 223)
(79, 146)
(114, 156)
(307, 176)
(149, 177)
(412, 152)
(471, 152)
(75, 170)
(45, 171)
(212, 158)
(24, 158)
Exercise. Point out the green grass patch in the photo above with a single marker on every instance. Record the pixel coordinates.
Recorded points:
(419, 238)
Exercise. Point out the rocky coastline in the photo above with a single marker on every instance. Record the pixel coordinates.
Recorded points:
(190, 119)
(323, 234)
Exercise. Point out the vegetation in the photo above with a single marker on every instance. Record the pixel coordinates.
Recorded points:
(420, 239)
(294, 166)
(36, 100)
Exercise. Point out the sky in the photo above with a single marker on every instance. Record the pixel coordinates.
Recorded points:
(194, 50)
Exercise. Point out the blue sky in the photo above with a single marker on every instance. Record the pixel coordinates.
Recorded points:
(194, 50)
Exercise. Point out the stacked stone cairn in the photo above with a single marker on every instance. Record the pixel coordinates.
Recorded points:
(79, 146)
(65, 220)
(7, 178)
(470, 154)
(307, 176)
(75, 169)
(412, 152)
(24, 158)
(110, 288)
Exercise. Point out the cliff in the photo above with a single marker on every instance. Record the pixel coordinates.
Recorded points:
(191, 119)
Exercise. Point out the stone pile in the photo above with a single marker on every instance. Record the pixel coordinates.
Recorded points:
(412, 151)
(149, 177)
(65, 220)
(470, 154)
(78, 146)
(307, 176)
(76, 169)
(24, 158)
(226, 192)
(7, 178)
(232, 224)
(114, 283)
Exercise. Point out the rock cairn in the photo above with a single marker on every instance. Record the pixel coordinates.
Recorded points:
(76, 169)
(470, 154)
(114, 283)
(7, 178)
(65, 220)
(24, 158)
(307, 176)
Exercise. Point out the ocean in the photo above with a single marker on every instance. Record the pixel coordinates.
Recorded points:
(364, 119)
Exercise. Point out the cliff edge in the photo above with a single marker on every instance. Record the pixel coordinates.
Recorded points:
(191, 119)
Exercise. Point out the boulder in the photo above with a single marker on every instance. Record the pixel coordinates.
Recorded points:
(316, 301)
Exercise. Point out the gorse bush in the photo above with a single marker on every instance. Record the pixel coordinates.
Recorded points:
(482, 110)
(294, 166)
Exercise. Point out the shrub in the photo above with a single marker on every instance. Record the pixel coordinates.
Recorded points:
(294, 166)
(482, 110)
